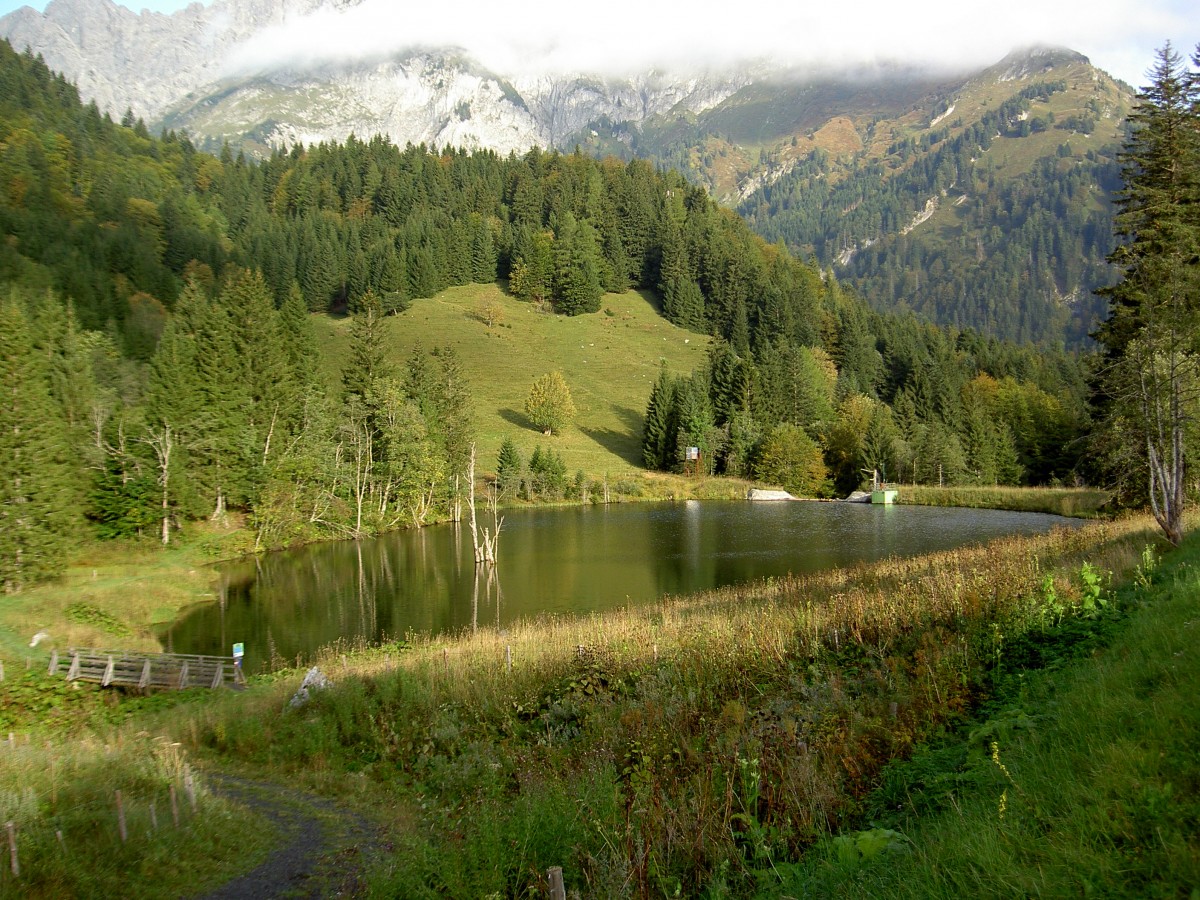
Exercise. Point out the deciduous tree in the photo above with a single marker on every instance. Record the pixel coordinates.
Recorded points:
(549, 404)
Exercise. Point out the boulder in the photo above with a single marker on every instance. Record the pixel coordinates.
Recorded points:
(314, 680)
(759, 494)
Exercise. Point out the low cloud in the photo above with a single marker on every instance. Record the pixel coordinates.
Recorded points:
(625, 36)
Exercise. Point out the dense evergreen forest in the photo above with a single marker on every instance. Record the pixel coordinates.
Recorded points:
(160, 361)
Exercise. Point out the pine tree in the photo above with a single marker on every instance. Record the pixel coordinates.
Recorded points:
(510, 468)
(1151, 376)
(577, 286)
(299, 339)
(657, 441)
(365, 362)
(39, 506)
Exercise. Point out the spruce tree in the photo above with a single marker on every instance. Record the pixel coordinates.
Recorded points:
(39, 505)
(657, 441)
(1151, 376)
(510, 468)
(365, 362)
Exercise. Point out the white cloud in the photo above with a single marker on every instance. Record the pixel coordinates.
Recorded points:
(620, 36)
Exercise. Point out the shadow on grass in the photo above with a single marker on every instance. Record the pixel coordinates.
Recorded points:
(624, 443)
(518, 418)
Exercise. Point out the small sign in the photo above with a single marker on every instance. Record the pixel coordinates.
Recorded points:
(239, 650)
(693, 453)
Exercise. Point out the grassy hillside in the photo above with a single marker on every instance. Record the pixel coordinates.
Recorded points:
(609, 360)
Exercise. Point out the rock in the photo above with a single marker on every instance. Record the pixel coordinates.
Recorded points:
(859, 497)
(314, 680)
(758, 494)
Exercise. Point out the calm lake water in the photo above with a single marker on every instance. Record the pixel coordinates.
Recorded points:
(554, 561)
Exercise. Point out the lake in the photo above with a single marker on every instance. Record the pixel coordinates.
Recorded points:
(561, 561)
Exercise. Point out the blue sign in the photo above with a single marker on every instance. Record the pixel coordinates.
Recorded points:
(239, 651)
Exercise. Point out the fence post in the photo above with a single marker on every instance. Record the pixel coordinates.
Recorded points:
(53, 662)
(12, 849)
(558, 890)
(121, 819)
(174, 806)
(508, 658)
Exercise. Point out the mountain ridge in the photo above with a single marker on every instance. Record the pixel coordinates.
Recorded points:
(898, 179)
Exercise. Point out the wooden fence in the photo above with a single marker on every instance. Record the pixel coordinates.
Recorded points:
(147, 670)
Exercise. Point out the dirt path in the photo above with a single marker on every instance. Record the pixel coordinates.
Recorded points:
(323, 850)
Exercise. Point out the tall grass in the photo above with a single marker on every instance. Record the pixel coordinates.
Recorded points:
(1096, 793)
(1081, 502)
(61, 797)
(701, 744)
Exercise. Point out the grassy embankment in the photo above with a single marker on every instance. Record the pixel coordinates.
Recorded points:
(1075, 502)
(708, 744)
(717, 744)
(1080, 780)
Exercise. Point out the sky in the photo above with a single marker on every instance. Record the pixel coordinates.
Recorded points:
(613, 36)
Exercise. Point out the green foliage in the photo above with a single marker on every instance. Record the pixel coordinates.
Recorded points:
(510, 468)
(39, 504)
(1052, 773)
(790, 458)
(862, 847)
(549, 405)
(547, 475)
(1149, 383)
(89, 614)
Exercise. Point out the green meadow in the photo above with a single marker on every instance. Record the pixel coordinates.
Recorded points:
(609, 360)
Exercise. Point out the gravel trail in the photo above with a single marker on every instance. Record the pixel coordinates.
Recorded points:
(323, 849)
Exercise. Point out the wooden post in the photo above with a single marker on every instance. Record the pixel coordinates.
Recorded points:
(121, 819)
(508, 658)
(53, 775)
(174, 806)
(153, 817)
(108, 672)
(144, 681)
(189, 787)
(558, 890)
(53, 662)
(12, 849)
(61, 843)
(1, 670)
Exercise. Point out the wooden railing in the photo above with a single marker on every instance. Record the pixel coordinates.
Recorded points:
(147, 670)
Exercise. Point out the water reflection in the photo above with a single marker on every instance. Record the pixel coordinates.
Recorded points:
(554, 561)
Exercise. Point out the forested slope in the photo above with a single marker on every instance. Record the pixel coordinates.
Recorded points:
(159, 300)
(978, 200)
